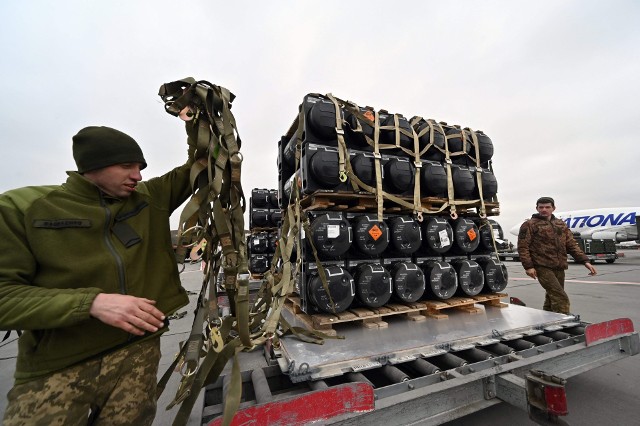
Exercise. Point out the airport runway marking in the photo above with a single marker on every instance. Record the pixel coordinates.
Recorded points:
(583, 281)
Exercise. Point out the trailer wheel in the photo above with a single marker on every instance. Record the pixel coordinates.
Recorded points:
(610, 260)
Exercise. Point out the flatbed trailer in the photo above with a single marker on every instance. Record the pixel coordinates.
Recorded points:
(607, 257)
(425, 372)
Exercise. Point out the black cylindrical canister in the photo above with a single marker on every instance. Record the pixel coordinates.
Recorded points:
(490, 230)
(273, 199)
(466, 236)
(275, 217)
(324, 169)
(437, 235)
(358, 128)
(485, 147)
(441, 280)
(371, 237)
(273, 242)
(489, 183)
(433, 181)
(289, 186)
(459, 151)
(321, 119)
(496, 276)
(405, 234)
(331, 235)
(470, 277)
(464, 184)
(259, 243)
(408, 282)
(289, 151)
(260, 218)
(398, 175)
(435, 152)
(373, 284)
(258, 263)
(388, 136)
(260, 197)
(364, 168)
(341, 287)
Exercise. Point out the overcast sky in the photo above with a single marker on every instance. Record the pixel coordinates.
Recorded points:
(554, 83)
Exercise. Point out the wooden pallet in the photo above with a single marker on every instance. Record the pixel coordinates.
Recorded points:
(363, 201)
(373, 317)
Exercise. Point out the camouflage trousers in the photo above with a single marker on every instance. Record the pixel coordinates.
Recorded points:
(117, 389)
(552, 280)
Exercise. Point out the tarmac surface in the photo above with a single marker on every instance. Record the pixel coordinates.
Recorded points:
(606, 395)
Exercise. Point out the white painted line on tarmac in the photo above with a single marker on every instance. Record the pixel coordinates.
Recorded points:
(583, 281)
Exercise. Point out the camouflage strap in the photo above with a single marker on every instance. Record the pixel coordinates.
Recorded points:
(448, 162)
(378, 166)
(432, 127)
(218, 205)
(213, 217)
(356, 183)
(417, 199)
(464, 137)
(483, 210)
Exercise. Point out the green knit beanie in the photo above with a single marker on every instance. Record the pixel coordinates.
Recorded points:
(96, 147)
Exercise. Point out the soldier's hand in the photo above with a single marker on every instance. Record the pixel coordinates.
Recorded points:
(532, 273)
(135, 315)
(592, 270)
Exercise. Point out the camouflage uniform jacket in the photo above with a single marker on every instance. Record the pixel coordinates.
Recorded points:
(546, 243)
(62, 245)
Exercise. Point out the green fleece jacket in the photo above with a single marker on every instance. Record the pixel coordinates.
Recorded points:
(62, 245)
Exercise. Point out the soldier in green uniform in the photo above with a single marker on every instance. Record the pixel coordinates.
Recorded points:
(543, 244)
(88, 273)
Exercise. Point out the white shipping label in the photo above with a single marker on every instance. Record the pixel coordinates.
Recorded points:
(333, 231)
(444, 238)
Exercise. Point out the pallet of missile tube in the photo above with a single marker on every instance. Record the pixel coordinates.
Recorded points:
(366, 202)
(373, 317)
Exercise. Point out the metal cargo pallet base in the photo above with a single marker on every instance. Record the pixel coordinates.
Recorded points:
(531, 379)
(374, 347)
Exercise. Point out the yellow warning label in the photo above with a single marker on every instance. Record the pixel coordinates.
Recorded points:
(375, 232)
(472, 234)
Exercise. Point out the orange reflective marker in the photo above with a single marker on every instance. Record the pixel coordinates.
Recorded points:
(472, 234)
(375, 232)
